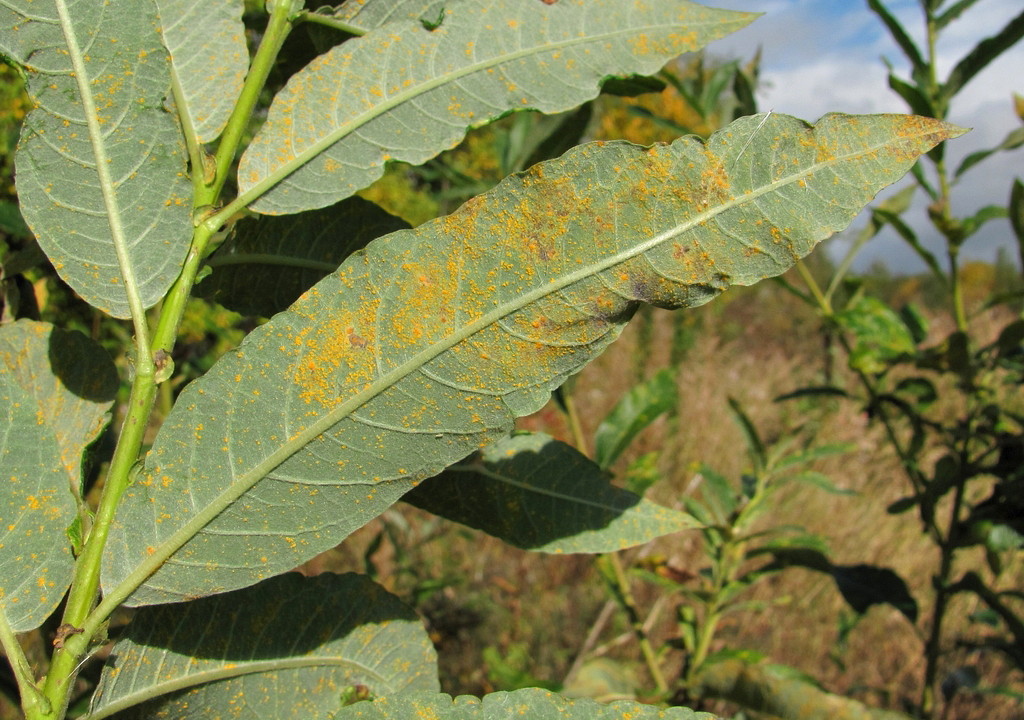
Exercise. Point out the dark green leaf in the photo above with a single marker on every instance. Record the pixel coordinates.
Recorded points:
(269, 261)
(952, 13)
(814, 391)
(983, 53)
(426, 345)
(531, 703)
(922, 180)
(285, 648)
(755, 446)
(631, 85)
(899, 34)
(566, 135)
(902, 505)
(537, 493)
(920, 391)
(1010, 339)
(865, 585)
(915, 321)
(912, 95)
(1016, 210)
(637, 409)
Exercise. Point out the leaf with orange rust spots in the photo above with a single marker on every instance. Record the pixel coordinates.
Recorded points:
(56, 388)
(532, 703)
(100, 163)
(289, 646)
(207, 45)
(371, 14)
(429, 343)
(403, 92)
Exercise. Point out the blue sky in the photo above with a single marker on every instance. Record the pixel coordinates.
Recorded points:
(826, 55)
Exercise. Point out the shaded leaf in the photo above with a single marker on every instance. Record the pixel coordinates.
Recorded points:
(916, 100)
(1016, 211)
(537, 493)
(638, 408)
(409, 93)
(100, 165)
(207, 45)
(918, 390)
(269, 261)
(865, 585)
(425, 346)
(860, 585)
(286, 648)
(56, 388)
(814, 391)
(530, 703)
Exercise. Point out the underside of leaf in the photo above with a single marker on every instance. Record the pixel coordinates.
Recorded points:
(427, 344)
(284, 649)
(100, 164)
(404, 92)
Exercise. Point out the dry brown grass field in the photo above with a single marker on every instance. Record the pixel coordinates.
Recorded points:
(503, 617)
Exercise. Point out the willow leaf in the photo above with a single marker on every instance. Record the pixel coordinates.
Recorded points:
(371, 14)
(532, 703)
(56, 388)
(427, 344)
(404, 92)
(100, 164)
(537, 493)
(267, 262)
(207, 45)
(287, 646)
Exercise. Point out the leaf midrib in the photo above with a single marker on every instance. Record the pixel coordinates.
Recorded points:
(117, 232)
(247, 480)
(243, 668)
(281, 173)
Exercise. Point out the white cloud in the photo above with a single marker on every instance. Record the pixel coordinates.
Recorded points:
(826, 55)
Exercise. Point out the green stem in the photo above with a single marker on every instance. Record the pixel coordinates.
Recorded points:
(85, 585)
(33, 702)
(625, 594)
(812, 285)
(278, 28)
(328, 21)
